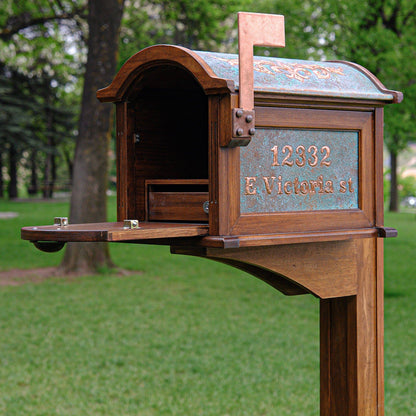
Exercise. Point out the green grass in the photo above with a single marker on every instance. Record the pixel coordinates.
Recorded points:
(17, 253)
(400, 314)
(181, 336)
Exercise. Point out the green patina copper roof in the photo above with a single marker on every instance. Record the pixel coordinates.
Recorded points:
(301, 77)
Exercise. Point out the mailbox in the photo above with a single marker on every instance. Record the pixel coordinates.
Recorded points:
(305, 164)
(271, 165)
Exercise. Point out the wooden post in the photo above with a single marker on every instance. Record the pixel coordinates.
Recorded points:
(352, 376)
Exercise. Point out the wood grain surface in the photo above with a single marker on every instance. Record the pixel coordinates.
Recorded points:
(112, 231)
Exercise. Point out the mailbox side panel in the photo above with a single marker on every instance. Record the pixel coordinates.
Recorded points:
(289, 133)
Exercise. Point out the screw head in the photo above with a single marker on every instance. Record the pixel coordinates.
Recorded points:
(252, 131)
(240, 132)
(249, 118)
(239, 113)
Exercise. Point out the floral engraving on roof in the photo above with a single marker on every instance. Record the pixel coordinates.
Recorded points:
(298, 71)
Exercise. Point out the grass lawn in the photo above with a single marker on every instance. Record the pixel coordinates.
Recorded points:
(177, 336)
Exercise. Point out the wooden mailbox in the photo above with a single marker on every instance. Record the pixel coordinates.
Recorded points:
(289, 190)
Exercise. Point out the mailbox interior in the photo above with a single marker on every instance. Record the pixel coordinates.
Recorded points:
(167, 153)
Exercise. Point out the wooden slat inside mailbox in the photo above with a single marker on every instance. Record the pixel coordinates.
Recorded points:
(177, 200)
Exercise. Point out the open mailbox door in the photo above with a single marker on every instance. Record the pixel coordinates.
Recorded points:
(44, 236)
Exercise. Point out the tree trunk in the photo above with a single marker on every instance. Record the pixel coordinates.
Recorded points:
(47, 182)
(46, 178)
(69, 165)
(12, 188)
(1, 176)
(33, 187)
(394, 193)
(50, 169)
(53, 168)
(88, 201)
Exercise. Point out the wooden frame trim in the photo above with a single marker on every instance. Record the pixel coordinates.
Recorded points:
(163, 55)
(378, 168)
(213, 163)
(269, 99)
(224, 166)
(264, 240)
(125, 162)
(397, 96)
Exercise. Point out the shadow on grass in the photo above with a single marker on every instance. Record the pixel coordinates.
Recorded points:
(17, 277)
(391, 294)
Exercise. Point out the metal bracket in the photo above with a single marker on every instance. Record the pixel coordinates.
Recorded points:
(60, 221)
(243, 127)
(253, 29)
(131, 224)
(386, 232)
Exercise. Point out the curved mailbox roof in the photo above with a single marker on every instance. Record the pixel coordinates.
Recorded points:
(218, 73)
(300, 77)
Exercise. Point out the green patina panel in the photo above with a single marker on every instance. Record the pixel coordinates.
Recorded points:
(299, 170)
(299, 77)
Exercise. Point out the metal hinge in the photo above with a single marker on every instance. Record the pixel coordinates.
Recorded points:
(243, 125)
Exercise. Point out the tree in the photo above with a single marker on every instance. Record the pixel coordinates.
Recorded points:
(35, 43)
(88, 201)
(381, 37)
(88, 198)
(15, 119)
(197, 24)
(14, 124)
(34, 123)
(47, 22)
(377, 34)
